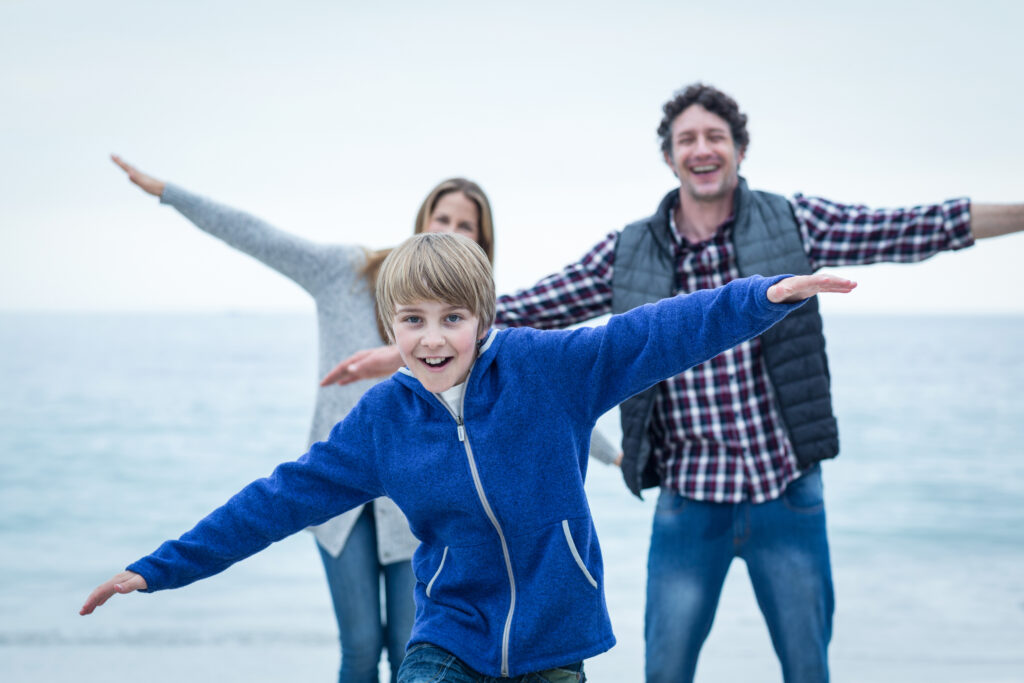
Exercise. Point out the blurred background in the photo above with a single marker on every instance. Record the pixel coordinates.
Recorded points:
(148, 371)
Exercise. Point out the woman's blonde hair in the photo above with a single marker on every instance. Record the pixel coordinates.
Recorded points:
(486, 228)
(441, 267)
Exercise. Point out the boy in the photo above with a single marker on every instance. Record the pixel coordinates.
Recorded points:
(482, 442)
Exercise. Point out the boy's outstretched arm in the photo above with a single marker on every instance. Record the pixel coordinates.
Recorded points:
(384, 360)
(125, 582)
(800, 287)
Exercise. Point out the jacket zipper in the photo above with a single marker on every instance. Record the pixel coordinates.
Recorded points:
(461, 432)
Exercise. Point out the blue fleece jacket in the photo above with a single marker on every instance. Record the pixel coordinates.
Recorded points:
(509, 571)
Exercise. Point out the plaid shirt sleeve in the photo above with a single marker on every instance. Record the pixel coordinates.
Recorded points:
(843, 235)
(581, 291)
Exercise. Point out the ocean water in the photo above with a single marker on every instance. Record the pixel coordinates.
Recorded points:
(120, 430)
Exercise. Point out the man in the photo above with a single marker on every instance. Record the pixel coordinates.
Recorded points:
(734, 444)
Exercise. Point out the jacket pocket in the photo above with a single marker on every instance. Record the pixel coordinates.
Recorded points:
(576, 553)
(444, 556)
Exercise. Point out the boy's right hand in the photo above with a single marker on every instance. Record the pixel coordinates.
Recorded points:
(146, 182)
(800, 287)
(125, 582)
(365, 364)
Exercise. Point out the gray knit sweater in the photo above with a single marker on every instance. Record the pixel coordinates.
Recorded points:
(346, 323)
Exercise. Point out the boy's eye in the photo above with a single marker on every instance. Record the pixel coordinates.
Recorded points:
(452, 318)
(411, 319)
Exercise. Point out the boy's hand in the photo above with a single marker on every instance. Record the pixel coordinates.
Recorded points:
(366, 364)
(800, 287)
(125, 582)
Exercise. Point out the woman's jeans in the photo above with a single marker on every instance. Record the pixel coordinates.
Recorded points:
(354, 578)
(426, 663)
(785, 547)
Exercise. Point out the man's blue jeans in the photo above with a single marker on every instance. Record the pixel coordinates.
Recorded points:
(785, 547)
(354, 578)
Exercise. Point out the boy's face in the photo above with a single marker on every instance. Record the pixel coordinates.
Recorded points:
(437, 342)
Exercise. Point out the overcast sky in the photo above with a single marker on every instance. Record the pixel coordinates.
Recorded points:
(333, 120)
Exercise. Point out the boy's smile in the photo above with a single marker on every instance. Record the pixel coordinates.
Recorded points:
(437, 342)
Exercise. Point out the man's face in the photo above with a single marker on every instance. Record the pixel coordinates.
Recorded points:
(703, 155)
(437, 342)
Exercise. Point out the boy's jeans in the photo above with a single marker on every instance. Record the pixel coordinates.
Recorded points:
(425, 663)
(785, 548)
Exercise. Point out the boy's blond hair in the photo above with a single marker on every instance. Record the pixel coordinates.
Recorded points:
(441, 267)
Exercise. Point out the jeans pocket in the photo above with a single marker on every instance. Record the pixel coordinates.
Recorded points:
(425, 662)
(417, 646)
(669, 503)
(573, 674)
(805, 493)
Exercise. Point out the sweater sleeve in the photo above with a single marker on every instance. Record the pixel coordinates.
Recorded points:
(601, 449)
(335, 476)
(308, 264)
(650, 343)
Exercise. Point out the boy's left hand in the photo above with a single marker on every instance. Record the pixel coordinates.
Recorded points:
(125, 582)
(800, 287)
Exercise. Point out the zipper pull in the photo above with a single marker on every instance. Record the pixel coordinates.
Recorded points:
(461, 430)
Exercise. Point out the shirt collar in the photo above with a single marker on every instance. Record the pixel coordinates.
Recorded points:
(681, 241)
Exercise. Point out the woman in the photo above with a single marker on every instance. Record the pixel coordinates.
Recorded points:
(361, 546)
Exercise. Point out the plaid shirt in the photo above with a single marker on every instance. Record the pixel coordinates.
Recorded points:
(716, 434)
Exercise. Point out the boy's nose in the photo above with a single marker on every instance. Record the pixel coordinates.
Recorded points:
(432, 340)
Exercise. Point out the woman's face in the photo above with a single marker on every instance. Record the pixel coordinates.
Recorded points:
(455, 212)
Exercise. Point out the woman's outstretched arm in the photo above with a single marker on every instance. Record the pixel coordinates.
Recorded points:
(310, 264)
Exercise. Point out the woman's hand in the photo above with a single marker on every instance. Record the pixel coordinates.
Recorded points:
(125, 582)
(365, 364)
(800, 287)
(146, 182)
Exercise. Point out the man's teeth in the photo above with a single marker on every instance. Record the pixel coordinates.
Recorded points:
(704, 169)
(434, 361)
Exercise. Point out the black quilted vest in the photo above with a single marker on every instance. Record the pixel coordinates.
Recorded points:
(767, 241)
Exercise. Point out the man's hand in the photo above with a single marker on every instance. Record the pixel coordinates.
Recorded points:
(125, 582)
(800, 287)
(365, 364)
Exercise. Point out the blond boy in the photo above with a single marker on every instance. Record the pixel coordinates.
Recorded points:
(482, 440)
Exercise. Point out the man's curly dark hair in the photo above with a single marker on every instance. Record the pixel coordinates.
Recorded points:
(712, 99)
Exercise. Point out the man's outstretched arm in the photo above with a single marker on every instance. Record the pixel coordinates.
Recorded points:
(993, 220)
